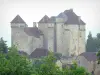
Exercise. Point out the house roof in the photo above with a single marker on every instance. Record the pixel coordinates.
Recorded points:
(18, 19)
(39, 52)
(90, 56)
(33, 31)
(45, 19)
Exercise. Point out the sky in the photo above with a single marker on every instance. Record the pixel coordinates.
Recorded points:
(33, 10)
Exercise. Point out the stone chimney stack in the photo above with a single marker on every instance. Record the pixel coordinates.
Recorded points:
(71, 10)
(34, 24)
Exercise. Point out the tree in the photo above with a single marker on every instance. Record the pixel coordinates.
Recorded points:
(3, 46)
(98, 57)
(90, 45)
(49, 67)
(98, 35)
(93, 43)
(13, 63)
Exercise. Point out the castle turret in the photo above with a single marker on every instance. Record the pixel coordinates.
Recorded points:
(17, 27)
(18, 22)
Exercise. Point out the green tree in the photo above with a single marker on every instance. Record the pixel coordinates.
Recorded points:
(98, 41)
(13, 63)
(98, 57)
(49, 67)
(90, 45)
(58, 56)
(98, 35)
(93, 43)
(3, 46)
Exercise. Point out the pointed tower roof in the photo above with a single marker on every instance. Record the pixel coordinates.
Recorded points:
(17, 19)
(72, 17)
(45, 19)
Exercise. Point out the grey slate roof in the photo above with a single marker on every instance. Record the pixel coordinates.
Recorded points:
(90, 56)
(63, 15)
(33, 31)
(72, 18)
(45, 19)
(68, 15)
(39, 52)
(18, 19)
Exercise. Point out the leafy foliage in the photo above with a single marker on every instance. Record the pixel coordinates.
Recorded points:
(3, 46)
(49, 67)
(98, 55)
(12, 63)
(58, 56)
(93, 43)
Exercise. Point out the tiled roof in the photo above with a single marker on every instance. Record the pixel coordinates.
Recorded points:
(45, 19)
(90, 56)
(18, 19)
(33, 31)
(39, 52)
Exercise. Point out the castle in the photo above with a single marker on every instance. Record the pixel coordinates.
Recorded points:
(64, 34)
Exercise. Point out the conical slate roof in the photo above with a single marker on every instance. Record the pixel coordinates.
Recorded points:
(45, 19)
(18, 19)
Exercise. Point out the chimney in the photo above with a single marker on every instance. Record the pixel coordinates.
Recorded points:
(71, 10)
(34, 24)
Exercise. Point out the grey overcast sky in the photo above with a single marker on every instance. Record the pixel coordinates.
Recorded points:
(34, 10)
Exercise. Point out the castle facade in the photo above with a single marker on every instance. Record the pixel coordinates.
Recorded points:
(64, 33)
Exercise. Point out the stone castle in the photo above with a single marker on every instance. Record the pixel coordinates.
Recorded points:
(64, 34)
